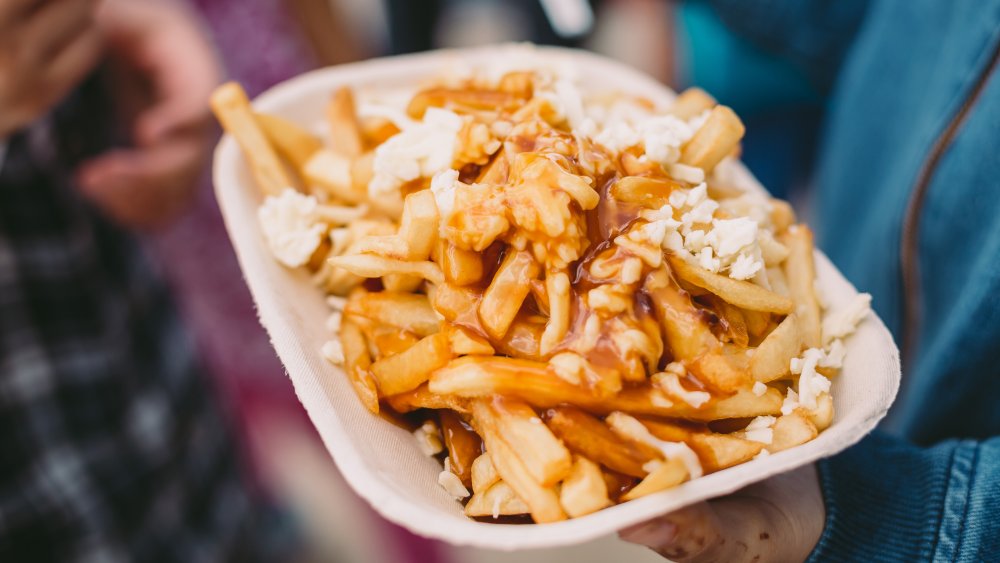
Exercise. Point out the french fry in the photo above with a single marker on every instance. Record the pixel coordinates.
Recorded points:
(371, 266)
(497, 171)
(232, 108)
(759, 325)
(686, 331)
(406, 371)
(465, 99)
(463, 445)
(543, 455)
(691, 103)
(584, 490)
(772, 358)
(466, 343)
(801, 275)
(822, 417)
(422, 398)
(522, 339)
(408, 311)
(292, 142)
(402, 283)
(458, 305)
(332, 173)
(779, 284)
(377, 130)
(542, 501)
(484, 474)
(419, 225)
(716, 139)
(389, 340)
(648, 192)
(782, 215)
(499, 500)
(667, 474)
(735, 321)
(532, 382)
(791, 430)
(345, 131)
(460, 266)
(503, 298)
(738, 292)
(690, 337)
(557, 292)
(362, 172)
(592, 439)
(715, 451)
(357, 362)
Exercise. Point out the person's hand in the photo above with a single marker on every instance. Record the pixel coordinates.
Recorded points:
(780, 519)
(46, 48)
(160, 44)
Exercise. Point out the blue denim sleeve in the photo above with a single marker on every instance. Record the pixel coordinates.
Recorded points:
(888, 500)
(812, 35)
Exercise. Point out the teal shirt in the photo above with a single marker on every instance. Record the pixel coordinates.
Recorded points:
(907, 204)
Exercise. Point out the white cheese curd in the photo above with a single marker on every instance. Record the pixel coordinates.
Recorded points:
(451, 483)
(419, 151)
(333, 351)
(843, 322)
(566, 100)
(730, 236)
(334, 320)
(626, 124)
(730, 246)
(443, 186)
(760, 429)
(811, 383)
(685, 173)
(336, 302)
(791, 402)
(759, 389)
(745, 267)
(291, 227)
(618, 136)
(669, 381)
(834, 357)
(429, 439)
(663, 136)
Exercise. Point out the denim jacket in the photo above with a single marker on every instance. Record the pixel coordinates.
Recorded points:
(908, 206)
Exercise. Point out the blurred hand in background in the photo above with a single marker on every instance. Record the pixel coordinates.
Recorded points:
(46, 49)
(780, 519)
(166, 71)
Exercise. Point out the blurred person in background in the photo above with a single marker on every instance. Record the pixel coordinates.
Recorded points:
(905, 204)
(114, 447)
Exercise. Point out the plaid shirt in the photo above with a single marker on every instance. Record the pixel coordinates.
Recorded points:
(111, 447)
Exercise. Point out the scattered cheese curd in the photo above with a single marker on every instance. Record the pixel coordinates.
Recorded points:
(443, 186)
(761, 429)
(429, 438)
(419, 151)
(291, 226)
(451, 483)
(843, 322)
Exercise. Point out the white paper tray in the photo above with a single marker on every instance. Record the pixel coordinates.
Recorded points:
(382, 462)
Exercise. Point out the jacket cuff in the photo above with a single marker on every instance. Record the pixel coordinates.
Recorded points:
(886, 498)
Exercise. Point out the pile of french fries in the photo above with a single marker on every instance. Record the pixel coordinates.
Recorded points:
(522, 301)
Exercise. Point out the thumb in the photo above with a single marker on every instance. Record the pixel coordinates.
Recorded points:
(726, 529)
